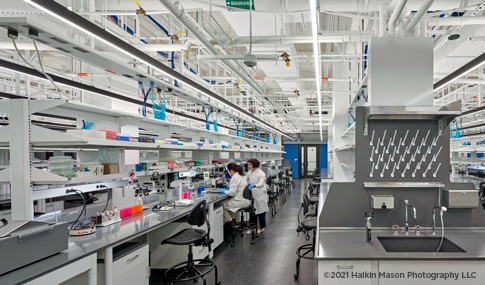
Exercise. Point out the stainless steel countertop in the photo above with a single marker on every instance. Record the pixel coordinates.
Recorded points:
(82, 246)
(345, 244)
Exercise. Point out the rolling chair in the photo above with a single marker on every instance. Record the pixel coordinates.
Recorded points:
(273, 196)
(308, 224)
(289, 175)
(192, 237)
(243, 225)
(280, 186)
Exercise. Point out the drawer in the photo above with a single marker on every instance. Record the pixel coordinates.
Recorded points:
(218, 212)
(139, 275)
(129, 261)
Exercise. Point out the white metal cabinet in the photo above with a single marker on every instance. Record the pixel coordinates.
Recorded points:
(339, 272)
(217, 227)
(130, 261)
(133, 266)
(416, 266)
(139, 275)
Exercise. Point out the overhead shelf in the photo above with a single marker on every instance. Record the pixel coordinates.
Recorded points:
(347, 147)
(350, 131)
(65, 107)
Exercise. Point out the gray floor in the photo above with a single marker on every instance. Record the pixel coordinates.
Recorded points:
(271, 260)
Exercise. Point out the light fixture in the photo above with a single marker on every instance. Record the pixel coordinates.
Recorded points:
(465, 69)
(60, 12)
(316, 54)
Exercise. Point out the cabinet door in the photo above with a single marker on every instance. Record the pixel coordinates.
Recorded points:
(139, 275)
(344, 272)
(469, 272)
(217, 228)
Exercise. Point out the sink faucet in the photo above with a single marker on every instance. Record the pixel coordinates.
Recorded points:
(406, 225)
(368, 235)
(442, 209)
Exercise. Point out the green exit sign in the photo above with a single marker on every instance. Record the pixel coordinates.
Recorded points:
(227, 119)
(240, 4)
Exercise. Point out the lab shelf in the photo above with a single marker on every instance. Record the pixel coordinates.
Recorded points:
(90, 187)
(347, 147)
(65, 107)
(403, 184)
(362, 86)
(350, 131)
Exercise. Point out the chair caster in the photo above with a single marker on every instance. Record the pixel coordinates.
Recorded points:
(232, 245)
(218, 283)
(296, 276)
(252, 242)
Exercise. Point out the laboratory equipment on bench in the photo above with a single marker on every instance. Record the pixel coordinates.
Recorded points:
(25, 242)
(180, 202)
(84, 227)
(106, 218)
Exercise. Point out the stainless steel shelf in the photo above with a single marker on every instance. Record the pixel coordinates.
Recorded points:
(403, 184)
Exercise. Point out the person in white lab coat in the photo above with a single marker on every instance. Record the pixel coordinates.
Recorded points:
(257, 183)
(236, 188)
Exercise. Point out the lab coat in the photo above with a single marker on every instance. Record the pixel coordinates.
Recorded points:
(236, 188)
(260, 196)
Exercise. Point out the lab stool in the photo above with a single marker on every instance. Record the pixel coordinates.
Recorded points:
(192, 268)
(243, 226)
(308, 224)
(272, 195)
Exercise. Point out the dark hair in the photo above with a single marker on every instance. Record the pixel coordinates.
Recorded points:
(254, 162)
(235, 167)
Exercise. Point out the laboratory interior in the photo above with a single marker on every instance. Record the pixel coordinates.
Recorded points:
(329, 142)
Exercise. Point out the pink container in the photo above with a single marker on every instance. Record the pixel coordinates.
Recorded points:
(125, 212)
(186, 195)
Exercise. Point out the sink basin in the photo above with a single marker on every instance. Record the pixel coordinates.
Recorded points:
(418, 244)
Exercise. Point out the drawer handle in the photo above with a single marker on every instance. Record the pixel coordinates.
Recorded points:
(217, 212)
(131, 259)
(149, 272)
(345, 267)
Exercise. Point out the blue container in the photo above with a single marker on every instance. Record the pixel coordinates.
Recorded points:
(122, 138)
(137, 167)
(200, 189)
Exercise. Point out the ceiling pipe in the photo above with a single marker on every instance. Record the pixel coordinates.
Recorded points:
(423, 9)
(395, 16)
(383, 20)
(192, 28)
(453, 21)
(332, 38)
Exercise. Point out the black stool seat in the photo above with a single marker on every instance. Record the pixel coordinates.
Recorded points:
(277, 183)
(309, 224)
(313, 200)
(315, 183)
(187, 236)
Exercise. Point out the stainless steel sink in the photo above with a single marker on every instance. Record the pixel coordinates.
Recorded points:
(418, 244)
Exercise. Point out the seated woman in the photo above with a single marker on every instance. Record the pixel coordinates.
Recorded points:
(236, 188)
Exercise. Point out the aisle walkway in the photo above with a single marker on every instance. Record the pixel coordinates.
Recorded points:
(271, 260)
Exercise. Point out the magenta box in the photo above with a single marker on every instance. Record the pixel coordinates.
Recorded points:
(186, 195)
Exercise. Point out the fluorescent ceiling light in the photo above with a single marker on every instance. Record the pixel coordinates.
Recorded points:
(316, 56)
(456, 76)
(59, 14)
